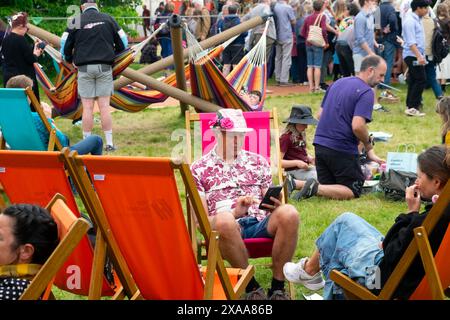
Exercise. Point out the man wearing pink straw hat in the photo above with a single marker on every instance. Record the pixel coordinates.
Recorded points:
(232, 183)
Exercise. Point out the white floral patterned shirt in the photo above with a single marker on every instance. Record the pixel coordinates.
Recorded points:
(223, 183)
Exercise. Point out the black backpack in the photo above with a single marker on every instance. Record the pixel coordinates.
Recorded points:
(439, 45)
(394, 183)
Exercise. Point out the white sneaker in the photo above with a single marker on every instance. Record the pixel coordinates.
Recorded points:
(377, 106)
(295, 272)
(414, 112)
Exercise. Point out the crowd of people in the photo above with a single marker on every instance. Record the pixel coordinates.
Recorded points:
(399, 31)
(364, 43)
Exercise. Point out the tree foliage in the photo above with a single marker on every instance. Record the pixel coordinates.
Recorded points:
(37, 9)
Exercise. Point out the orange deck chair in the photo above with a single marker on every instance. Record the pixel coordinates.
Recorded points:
(138, 209)
(35, 177)
(71, 231)
(257, 141)
(437, 267)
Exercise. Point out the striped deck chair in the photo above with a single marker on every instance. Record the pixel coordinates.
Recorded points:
(35, 177)
(435, 264)
(258, 142)
(138, 209)
(71, 231)
(16, 122)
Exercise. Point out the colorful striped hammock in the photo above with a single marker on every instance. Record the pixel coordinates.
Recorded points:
(64, 95)
(208, 82)
(133, 99)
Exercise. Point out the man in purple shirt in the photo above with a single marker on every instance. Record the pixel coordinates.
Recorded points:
(346, 108)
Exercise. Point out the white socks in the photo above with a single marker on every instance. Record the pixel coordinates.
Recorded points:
(109, 137)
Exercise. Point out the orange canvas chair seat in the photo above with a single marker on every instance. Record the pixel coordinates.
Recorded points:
(71, 231)
(141, 212)
(141, 204)
(442, 261)
(35, 177)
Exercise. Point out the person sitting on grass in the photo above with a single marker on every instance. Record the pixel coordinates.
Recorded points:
(355, 248)
(28, 236)
(232, 183)
(443, 109)
(92, 144)
(345, 111)
(298, 163)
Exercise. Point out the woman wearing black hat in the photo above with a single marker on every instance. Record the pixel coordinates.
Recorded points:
(295, 158)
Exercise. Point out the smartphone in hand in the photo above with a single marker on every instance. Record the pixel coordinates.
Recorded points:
(271, 192)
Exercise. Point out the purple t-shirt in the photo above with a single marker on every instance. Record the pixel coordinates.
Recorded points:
(346, 98)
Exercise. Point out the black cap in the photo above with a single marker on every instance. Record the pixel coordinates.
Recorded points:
(302, 115)
(419, 4)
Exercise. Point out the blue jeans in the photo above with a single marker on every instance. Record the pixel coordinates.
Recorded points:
(352, 246)
(314, 56)
(388, 55)
(252, 228)
(430, 70)
(166, 46)
(92, 144)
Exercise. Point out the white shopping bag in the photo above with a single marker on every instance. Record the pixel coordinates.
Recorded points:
(403, 161)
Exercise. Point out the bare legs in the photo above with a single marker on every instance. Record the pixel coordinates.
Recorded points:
(283, 224)
(333, 191)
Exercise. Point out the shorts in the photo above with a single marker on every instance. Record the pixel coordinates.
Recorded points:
(233, 54)
(334, 167)
(252, 228)
(95, 80)
(314, 56)
(357, 60)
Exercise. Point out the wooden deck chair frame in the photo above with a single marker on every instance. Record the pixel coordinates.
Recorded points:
(53, 139)
(215, 261)
(419, 245)
(97, 281)
(76, 232)
(195, 117)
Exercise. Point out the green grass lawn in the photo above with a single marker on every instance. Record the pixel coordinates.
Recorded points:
(156, 132)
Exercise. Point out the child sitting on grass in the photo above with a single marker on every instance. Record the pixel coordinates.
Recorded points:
(298, 163)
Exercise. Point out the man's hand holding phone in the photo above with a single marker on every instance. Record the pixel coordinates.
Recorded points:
(271, 199)
(412, 197)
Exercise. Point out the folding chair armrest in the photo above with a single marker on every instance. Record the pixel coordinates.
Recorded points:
(52, 140)
(426, 254)
(351, 289)
(2, 143)
(245, 278)
(56, 260)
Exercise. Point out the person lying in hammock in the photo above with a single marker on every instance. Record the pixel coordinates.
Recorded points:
(253, 98)
(92, 144)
